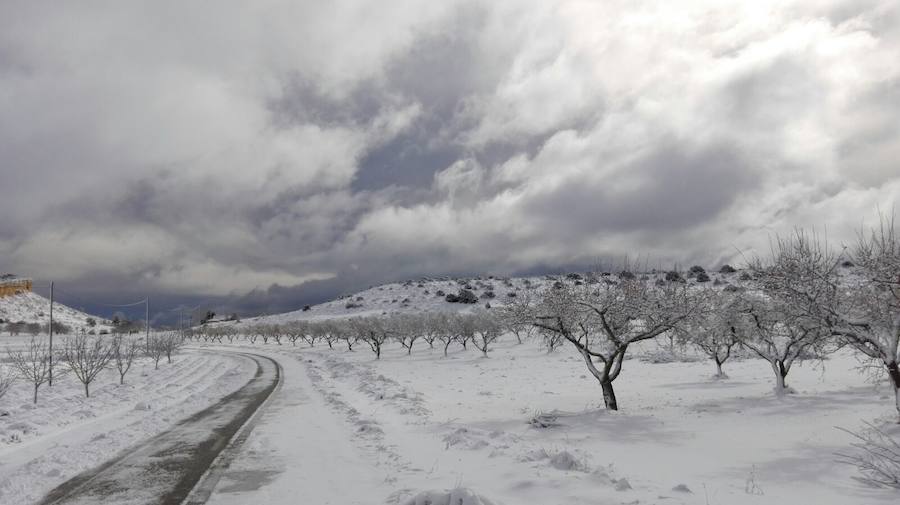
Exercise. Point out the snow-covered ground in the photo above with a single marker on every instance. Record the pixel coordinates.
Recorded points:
(65, 433)
(349, 429)
(34, 308)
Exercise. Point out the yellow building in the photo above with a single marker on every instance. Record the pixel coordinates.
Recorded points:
(11, 285)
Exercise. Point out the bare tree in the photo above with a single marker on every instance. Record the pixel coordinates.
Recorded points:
(602, 321)
(867, 315)
(7, 378)
(295, 330)
(373, 331)
(718, 328)
(345, 332)
(154, 349)
(87, 357)
(514, 318)
(170, 342)
(430, 328)
(795, 290)
(124, 353)
(32, 363)
(877, 457)
(462, 327)
(782, 338)
(409, 328)
(442, 326)
(327, 332)
(487, 330)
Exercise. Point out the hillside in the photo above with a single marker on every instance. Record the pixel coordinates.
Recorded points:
(429, 295)
(34, 308)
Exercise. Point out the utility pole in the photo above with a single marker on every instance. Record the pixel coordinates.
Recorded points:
(50, 381)
(147, 318)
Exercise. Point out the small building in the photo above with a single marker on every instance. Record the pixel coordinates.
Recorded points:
(13, 285)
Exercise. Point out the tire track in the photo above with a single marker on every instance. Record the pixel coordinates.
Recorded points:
(165, 469)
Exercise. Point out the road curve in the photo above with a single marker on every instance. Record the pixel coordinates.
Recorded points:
(180, 465)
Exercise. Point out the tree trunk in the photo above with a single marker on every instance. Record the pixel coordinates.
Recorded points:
(121, 379)
(719, 372)
(781, 372)
(446, 345)
(894, 373)
(609, 395)
(87, 391)
(35, 392)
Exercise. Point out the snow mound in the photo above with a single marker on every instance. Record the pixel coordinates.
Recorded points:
(458, 496)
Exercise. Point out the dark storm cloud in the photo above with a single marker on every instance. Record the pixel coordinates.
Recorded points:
(675, 187)
(289, 152)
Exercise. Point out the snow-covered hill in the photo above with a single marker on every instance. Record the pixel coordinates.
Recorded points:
(429, 295)
(34, 308)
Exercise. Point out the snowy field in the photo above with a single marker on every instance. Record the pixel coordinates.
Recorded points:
(44, 444)
(431, 423)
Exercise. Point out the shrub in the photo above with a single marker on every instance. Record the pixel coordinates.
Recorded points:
(452, 298)
(466, 296)
(727, 269)
(674, 276)
(702, 277)
(695, 270)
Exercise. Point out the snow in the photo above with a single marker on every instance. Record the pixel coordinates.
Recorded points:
(403, 429)
(34, 308)
(43, 445)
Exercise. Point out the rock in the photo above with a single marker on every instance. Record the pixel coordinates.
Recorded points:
(682, 488)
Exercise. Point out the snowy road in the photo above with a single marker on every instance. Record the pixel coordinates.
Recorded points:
(300, 452)
(167, 467)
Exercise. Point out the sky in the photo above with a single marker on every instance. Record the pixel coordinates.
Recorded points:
(259, 156)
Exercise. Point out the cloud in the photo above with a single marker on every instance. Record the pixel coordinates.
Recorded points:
(270, 154)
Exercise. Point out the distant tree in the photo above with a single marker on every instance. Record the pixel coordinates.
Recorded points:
(154, 349)
(32, 363)
(124, 353)
(373, 331)
(171, 342)
(87, 357)
(91, 322)
(718, 328)
(33, 328)
(7, 378)
(408, 329)
(487, 330)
